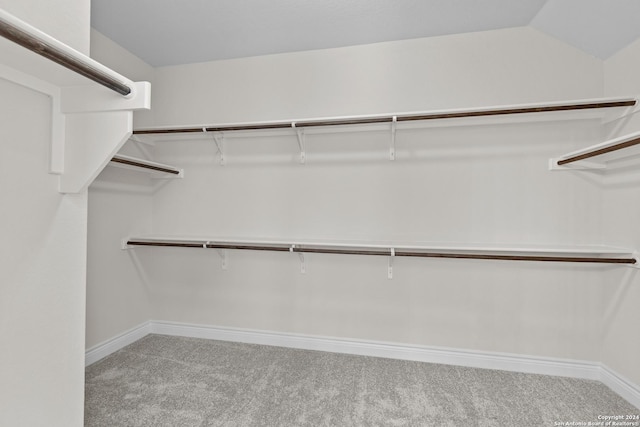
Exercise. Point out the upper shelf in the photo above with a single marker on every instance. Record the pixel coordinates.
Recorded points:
(588, 254)
(602, 108)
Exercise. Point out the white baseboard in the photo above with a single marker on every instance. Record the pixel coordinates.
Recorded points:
(448, 356)
(114, 344)
(621, 385)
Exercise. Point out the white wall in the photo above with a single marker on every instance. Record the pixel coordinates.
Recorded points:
(117, 294)
(42, 264)
(477, 183)
(119, 204)
(479, 69)
(457, 192)
(114, 56)
(66, 20)
(621, 210)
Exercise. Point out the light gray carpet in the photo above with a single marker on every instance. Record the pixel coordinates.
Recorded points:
(173, 381)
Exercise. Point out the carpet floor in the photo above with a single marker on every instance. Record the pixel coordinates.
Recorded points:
(175, 381)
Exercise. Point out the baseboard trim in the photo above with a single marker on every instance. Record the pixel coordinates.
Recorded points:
(621, 385)
(448, 356)
(102, 350)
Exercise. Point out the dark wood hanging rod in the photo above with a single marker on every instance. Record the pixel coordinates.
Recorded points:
(598, 152)
(519, 257)
(246, 247)
(53, 53)
(377, 252)
(381, 252)
(398, 118)
(130, 162)
(524, 110)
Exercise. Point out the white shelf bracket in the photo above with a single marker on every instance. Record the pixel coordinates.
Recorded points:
(218, 138)
(223, 258)
(636, 256)
(123, 244)
(303, 268)
(392, 149)
(300, 135)
(579, 165)
(390, 268)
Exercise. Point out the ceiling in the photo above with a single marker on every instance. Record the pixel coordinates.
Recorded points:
(171, 32)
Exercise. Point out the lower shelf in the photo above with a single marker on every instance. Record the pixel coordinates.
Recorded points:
(128, 162)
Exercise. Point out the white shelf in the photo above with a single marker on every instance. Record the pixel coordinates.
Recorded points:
(551, 111)
(585, 253)
(602, 109)
(134, 163)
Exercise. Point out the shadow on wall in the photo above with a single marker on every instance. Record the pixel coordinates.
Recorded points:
(615, 304)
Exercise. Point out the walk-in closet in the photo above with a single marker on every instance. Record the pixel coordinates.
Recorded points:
(344, 228)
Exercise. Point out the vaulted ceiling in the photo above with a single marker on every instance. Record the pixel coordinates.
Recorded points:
(171, 32)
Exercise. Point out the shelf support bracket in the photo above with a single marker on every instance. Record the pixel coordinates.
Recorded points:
(89, 124)
(300, 135)
(392, 149)
(303, 268)
(223, 258)
(218, 138)
(390, 267)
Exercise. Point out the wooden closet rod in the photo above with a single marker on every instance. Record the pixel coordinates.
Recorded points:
(40, 46)
(129, 162)
(519, 257)
(379, 252)
(600, 151)
(398, 118)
